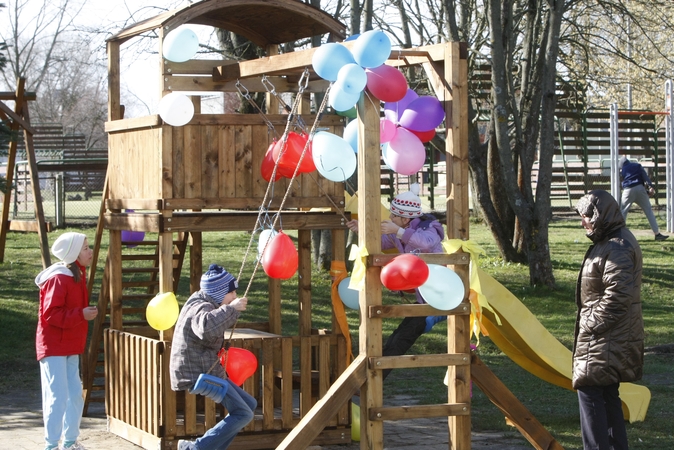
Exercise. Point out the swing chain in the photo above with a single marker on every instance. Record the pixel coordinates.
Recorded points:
(269, 86)
(245, 93)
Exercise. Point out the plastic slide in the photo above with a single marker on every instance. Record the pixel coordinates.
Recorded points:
(524, 339)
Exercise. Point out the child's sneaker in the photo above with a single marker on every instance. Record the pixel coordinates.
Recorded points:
(186, 445)
(74, 446)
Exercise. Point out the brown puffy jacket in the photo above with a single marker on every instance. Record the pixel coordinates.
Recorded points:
(609, 334)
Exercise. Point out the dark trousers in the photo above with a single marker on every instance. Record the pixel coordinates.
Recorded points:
(602, 424)
(403, 338)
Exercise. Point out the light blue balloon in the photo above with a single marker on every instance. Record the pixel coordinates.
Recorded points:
(329, 58)
(371, 49)
(351, 135)
(342, 101)
(384, 150)
(351, 78)
(333, 156)
(350, 297)
(180, 45)
(443, 289)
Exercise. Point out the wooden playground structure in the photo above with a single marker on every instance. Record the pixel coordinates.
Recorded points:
(181, 182)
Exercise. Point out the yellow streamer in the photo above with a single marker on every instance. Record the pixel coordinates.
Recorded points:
(358, 256)
(338, 273)
(478, 301)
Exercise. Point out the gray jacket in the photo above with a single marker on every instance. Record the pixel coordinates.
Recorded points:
(198, 336)
(608, 346)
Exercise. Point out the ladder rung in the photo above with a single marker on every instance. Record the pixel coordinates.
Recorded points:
(128, 284)
(141, 270)
(419, 411)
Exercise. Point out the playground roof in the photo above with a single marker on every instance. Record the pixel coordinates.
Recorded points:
(264, 22)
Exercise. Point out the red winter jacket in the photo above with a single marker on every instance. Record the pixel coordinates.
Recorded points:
(61, 327)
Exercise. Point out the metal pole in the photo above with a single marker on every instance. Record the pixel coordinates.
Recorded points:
(615, 175)
(669, 154)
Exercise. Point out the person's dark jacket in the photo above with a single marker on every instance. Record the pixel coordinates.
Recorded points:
(633, 174)
(609, 333)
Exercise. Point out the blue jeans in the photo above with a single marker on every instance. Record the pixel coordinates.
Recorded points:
(62, 401)
(602, 424)
(240, 406)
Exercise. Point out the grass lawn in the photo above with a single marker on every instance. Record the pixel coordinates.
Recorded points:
(554, 407)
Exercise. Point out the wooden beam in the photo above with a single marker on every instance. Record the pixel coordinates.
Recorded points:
(413, 310)
(413, 361)
(28, 226)
(17, 118)
(510, 405)
(419, 411)
(430, 258)
(11, 96)
(320, 414)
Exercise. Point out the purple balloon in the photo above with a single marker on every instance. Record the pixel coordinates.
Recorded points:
(393, 110)
(423, 114)
(132, 236)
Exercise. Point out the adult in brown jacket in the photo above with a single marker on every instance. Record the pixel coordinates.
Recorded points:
(608, 346)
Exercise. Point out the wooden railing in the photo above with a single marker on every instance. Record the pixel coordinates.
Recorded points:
(293, 373)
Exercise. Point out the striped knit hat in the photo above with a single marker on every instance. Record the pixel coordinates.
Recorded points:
(217, 283)
(407, 204)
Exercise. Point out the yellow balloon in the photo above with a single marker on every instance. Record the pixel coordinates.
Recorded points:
(355, 422)
(162, 311)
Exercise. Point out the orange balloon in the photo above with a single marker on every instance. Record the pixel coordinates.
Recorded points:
(404, 272)
(241, 364)
(280, 259)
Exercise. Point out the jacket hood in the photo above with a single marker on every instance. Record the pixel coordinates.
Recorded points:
(58, 268)
(604, 213)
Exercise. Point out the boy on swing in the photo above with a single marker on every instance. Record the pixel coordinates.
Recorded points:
(199, 335)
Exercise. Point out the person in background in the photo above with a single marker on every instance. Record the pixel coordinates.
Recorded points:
(409, 231)
(198, 337)
(608, 346)
(61, 337)
(638, 188)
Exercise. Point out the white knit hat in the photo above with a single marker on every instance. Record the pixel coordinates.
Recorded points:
(407, 204)
(68, 246)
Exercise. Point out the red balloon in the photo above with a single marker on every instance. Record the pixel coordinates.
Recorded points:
(404, 272)
(386, 83)
(291, 152)
(280, 258)
(424, 136)
(267, 166)
(241, 364)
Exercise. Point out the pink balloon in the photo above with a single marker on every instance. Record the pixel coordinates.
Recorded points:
(406, 154)
(393, 110)
(387, 130)
(386, 83)
(422, 114)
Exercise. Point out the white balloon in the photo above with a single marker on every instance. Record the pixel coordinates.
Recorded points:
(176, 109)
(180, 45)
(443, 289)
(265, 236)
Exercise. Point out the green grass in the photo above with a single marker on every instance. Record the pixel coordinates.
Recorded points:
(554, 407)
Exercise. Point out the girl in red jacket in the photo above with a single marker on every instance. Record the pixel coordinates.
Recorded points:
(61, 337)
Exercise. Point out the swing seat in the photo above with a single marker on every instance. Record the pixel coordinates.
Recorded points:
(210, 386)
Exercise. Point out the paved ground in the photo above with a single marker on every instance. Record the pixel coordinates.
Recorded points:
(21, 428)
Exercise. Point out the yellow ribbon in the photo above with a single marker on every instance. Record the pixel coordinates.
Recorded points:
(338, 273)
(478, 300)
(358, 256)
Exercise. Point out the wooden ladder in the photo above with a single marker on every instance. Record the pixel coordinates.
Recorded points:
(140, 283)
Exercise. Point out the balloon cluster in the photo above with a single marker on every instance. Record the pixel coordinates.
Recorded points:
(439, 286)
(179, 45)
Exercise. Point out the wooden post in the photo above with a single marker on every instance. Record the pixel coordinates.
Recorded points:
(166, 269)
(458, 326)
(304, 282)
(369, 238)
(114, 90)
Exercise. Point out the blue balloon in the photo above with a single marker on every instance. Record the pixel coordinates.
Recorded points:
(333, 156)
(351, 78)
(329, 58)
(443, 289)
(351, 135)
(384, 155)
(350, 297)
(353, 37)
(342, 101)
(180, 45)
(372, 49)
